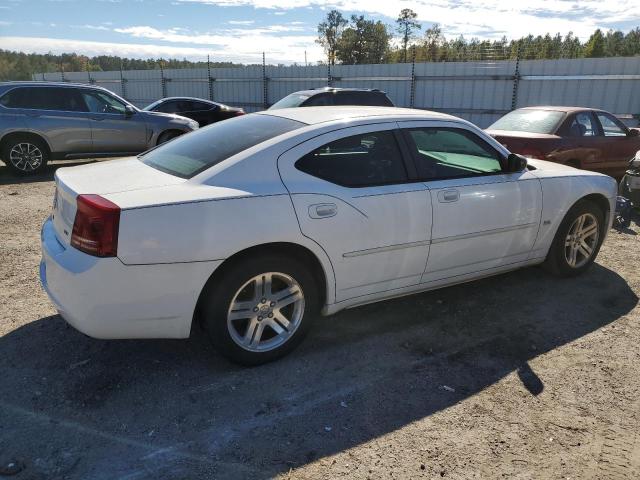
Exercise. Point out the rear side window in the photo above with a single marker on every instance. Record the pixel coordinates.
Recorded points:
(357, 161)
(452, 153)
(45, 98)
(611, 126)
(290, 101)
(370, 99)
(529, 120)
(188, 155)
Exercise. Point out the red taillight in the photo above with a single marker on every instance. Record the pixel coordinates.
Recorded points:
(95, 228)
(531, 153)
(239, 113)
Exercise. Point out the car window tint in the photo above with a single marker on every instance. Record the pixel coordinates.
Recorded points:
(188, 155)
(168, 107)
(450, 153)
(16, 98)
(583, 125)
(45, 98)
(321, 100)
(357, 161)
(611, 127)
(199, 106)
(99, 102)
(529, 120)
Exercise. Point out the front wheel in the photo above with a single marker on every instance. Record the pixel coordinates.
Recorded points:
(261, 309)
(577, 241)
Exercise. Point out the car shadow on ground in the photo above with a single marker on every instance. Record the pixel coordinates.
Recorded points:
(75, 407)
(8, 176)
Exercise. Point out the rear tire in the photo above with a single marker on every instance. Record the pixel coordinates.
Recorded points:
(261, 309)
(25, 155)
(577, 241)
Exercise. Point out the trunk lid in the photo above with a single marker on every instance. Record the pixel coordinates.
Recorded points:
(102, 178)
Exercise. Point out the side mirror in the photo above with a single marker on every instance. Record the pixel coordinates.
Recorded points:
(516, 163)
(129, 110)
(633, 132)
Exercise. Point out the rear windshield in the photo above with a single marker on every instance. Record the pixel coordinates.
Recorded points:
(534, 121)
(290, 101)
(190, 154)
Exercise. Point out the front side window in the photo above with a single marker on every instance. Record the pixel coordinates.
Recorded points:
(99, 102)
(361, 160)
(188, 155)
(611, 126)
(451, 153)
(583, 125)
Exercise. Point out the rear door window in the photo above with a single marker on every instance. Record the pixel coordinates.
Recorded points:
(582, 125)
(611, 126)
(63, 99)
(358, 161)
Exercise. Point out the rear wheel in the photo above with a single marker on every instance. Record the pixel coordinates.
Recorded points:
(261, 309)
(577, 241)
(25, 155)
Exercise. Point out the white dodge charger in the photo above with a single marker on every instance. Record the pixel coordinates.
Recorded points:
(254, 225)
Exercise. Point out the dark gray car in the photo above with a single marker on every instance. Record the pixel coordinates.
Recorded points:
(40, 121)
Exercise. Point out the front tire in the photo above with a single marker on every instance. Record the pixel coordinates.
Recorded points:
(25, 155)
(261, 309)
(577, 241)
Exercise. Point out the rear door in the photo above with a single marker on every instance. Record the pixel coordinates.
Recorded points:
(352, 195)
(113, 130)
(483, 217)
(618, 146)
(59, 114)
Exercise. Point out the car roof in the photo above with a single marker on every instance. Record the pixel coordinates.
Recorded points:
(195, 99)
(559, 108)
(315, 115)
(25, 83)
(316, 91)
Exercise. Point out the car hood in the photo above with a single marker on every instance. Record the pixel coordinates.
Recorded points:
(171, 116)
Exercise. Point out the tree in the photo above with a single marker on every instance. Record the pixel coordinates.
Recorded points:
(406, 25)
(595, 46)
(364, 41)
(433, 40)
(329, 33)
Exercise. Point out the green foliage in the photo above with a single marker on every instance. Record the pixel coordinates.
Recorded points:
(406, 24)
(21, 66)
(364, 41)
(329, 32)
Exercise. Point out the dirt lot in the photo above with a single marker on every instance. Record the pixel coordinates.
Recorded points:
(518, 376)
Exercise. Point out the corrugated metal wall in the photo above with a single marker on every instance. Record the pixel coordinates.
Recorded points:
(478, 91)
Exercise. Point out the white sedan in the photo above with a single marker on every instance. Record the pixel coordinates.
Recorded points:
(254, 225)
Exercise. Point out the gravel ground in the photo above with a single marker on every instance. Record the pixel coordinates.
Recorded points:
(517, 376)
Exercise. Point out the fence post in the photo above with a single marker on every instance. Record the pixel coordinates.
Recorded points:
(209, 79)
(264, 83)
(516, 80)
(163, 81)
(413, 76)
(123, 82)
(62, 72)
(89, 73)
(329, 79)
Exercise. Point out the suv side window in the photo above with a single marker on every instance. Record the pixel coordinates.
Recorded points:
(99, 102)
(611, 126)
(320, 100)
(444, 152)
(64, 99)
(361, 160)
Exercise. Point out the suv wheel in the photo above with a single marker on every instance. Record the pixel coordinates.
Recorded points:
(261, 310)
(25, 155)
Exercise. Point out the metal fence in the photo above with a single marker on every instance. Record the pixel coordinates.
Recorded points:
(478, 91)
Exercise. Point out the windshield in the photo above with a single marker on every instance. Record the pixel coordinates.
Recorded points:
(529, 120)
(188, 155)
(293, 100)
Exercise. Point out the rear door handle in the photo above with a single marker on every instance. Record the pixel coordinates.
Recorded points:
(323, 210)
(447, 196)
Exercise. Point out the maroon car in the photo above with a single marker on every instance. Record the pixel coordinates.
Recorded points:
(581, 137)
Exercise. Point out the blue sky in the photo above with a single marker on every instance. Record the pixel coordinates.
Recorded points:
(239, 30)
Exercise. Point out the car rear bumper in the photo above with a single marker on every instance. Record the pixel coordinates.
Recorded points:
(104, 298)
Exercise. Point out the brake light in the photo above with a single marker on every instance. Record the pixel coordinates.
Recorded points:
(239, 113)
(532, 153)
(95, 228)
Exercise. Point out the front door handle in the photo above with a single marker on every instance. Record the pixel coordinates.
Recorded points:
(323, 210)
(449, 195)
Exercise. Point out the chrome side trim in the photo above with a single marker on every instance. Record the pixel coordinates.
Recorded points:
(387, 248)
(483, 233)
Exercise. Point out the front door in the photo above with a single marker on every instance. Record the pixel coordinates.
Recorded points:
(352, 196)
(483, 217)
(112, 129)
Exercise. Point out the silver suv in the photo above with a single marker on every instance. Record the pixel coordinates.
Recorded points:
(40, 121)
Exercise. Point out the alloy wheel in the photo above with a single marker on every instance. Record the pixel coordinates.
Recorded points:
(265, 312)
(25, 156)
(582, 240)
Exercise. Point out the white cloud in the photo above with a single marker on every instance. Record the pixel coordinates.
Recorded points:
(287, 50)
(487, 19)
(241, 22)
